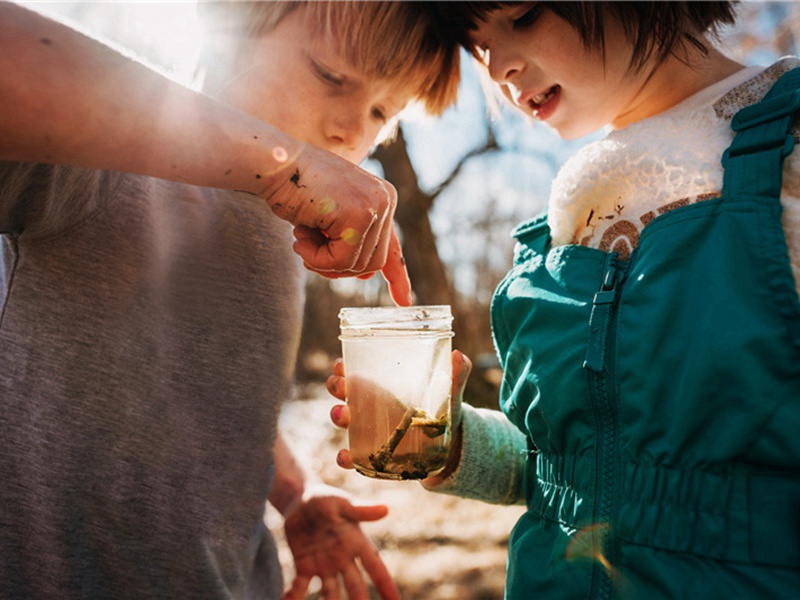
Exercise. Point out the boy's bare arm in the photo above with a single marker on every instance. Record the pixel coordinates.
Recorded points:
(323, 530)
(68, 99)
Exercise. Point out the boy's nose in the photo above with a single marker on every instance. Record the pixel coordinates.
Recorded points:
(345, 131)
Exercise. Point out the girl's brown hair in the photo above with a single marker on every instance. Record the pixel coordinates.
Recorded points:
(393, 41)
(655, 29)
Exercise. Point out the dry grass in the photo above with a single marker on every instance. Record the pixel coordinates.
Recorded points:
(437, 547)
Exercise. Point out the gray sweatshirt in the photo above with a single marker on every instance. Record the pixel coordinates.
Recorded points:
(148, 332)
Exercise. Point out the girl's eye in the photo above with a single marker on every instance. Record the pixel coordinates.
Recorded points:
(529, 17)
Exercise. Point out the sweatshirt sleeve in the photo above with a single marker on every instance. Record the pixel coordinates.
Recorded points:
(43, 200)
(493, 459)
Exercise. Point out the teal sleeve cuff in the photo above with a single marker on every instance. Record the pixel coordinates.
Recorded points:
(493, 455)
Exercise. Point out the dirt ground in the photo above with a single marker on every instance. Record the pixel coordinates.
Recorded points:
(437, 547)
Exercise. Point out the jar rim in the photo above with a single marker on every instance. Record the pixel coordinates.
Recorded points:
(397, 318)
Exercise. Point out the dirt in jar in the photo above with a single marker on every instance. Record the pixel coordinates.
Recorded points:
(389, 439)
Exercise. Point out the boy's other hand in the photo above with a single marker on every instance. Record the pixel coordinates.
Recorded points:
(343, 218)
(324, 534)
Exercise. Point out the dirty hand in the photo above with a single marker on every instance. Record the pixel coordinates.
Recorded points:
(343, 218)
(340, 414)
(324, 534)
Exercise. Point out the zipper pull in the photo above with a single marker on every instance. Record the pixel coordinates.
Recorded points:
(600, 317)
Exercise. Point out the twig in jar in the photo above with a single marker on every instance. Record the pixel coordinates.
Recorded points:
(381, 458)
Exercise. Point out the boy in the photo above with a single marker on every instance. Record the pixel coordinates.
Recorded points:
(151, 314)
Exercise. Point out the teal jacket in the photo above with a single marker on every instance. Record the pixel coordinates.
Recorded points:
(661, 395)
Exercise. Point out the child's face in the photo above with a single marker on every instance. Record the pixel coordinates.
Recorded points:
(300, 83)
(547, 72)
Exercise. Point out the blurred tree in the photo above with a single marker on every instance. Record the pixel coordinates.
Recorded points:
(429, 275)
(430, 278)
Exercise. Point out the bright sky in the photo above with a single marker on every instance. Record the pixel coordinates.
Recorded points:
(167, 33)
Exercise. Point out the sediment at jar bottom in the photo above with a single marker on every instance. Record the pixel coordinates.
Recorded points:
(413, 446)
(408, 466)
(390, 438)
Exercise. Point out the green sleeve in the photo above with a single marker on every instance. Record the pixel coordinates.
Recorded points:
(493, 458)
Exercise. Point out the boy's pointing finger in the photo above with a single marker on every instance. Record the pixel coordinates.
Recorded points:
(395, 273)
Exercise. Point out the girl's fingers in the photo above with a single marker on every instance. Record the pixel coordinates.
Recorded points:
(338, 367)
(336, 386)
(344, 459)
(462, 366)
(340, 415)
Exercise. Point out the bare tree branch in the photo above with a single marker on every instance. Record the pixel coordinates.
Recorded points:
(490, 145)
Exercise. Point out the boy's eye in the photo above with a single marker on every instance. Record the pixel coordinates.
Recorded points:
(327, 75)
(528, 17)
(379, 114)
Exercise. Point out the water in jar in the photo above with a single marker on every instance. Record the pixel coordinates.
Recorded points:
(398, 391)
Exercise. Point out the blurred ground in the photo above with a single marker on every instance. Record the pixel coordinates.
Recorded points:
(437, 547)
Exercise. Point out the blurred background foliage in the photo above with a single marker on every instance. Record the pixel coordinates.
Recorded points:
(463, 180)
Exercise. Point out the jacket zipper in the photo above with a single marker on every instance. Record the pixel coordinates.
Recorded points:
(602, 325)
(602, 307)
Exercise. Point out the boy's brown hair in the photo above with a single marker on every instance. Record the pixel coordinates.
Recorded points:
(656, 29)
(392, 41)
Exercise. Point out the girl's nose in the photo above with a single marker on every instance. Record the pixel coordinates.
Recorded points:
(504, 66)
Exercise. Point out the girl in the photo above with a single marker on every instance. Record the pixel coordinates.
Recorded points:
(649, 330)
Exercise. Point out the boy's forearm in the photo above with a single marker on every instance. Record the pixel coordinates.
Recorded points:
(291, 479)
(69, 99)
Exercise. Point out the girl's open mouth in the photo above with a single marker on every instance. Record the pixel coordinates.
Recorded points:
(542, 105)
(542, 98)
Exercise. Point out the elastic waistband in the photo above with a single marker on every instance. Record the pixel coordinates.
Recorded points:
(735, 515)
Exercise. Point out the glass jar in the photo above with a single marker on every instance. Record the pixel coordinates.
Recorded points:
(398, 374)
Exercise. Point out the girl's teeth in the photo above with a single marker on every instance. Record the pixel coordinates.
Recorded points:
(541, 98)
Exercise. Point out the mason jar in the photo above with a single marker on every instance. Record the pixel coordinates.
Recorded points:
(398, 375)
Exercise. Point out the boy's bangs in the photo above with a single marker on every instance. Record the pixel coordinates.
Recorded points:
(394, 41)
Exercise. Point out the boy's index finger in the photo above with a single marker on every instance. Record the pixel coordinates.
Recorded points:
(395, 273)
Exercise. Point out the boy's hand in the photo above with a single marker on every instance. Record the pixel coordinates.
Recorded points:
(340, 414)
(325, 537)
(343, 218)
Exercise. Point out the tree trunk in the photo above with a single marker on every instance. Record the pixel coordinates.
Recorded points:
(429, 278)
